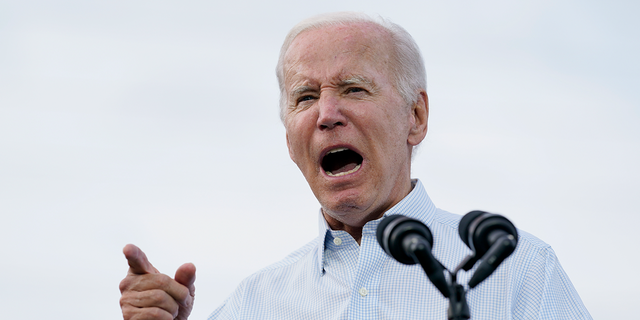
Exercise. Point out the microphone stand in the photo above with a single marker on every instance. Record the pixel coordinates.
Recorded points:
(458, 307)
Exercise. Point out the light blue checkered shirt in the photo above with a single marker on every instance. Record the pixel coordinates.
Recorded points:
(333, 277)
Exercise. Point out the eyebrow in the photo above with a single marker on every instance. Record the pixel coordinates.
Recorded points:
(356, 80)
(300, 90)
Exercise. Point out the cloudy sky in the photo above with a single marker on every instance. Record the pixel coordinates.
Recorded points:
(155, 123)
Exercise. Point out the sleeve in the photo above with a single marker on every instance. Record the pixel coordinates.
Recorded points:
(547, 292)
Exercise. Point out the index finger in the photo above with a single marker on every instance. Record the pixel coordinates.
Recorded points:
(138, 262)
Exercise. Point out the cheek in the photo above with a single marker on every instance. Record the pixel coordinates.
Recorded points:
(298, 144)
(401, 123)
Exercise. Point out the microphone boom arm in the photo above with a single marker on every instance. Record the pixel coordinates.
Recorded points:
(420, 251)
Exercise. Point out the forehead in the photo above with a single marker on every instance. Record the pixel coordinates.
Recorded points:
(330, 48)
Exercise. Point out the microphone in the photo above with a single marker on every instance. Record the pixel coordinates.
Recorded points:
(491, 237)
(409, 241)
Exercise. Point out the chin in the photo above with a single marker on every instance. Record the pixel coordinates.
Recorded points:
(343, 205)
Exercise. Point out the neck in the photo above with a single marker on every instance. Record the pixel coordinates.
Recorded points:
(355, 230)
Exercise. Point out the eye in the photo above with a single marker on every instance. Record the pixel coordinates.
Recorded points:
(305, 98)
(355, 90)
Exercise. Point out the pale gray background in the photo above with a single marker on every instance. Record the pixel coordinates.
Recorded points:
(155, 123)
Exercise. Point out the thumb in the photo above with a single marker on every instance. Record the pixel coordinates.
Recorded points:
(186, 276)
(138, 262)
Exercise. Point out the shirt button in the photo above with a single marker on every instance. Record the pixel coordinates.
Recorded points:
(337, 241)
(363, 292)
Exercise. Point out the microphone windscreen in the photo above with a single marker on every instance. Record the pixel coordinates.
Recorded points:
(463, 226)
(382, 227)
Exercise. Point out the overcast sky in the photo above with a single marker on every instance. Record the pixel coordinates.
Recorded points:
(156, 123)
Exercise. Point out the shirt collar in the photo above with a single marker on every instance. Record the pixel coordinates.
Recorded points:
(416, 205)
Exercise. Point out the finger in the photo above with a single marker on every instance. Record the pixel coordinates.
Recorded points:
(134, 313)
(147, 281)
(150, 299)
(186, 276)
(153, 281)
(138, 262)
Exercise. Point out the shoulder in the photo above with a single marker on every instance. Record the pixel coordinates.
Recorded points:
(444, 226)
(270, 279)
(307, 252)
(448, 222)
(533, 245)
(446, 218)
(278, 275)
(543, 290)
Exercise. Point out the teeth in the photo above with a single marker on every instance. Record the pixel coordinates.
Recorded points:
(337, 150)
(343, 173)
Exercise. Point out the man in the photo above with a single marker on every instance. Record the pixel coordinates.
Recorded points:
(354, 105)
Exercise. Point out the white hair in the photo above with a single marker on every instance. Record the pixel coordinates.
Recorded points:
(408, 70)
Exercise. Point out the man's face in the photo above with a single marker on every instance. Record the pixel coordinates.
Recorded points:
(348, 129)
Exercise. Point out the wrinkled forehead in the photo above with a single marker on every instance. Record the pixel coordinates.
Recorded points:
(359, 40)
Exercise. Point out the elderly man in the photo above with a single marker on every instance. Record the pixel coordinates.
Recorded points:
(354, 106)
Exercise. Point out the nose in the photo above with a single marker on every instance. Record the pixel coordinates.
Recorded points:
(330, 113)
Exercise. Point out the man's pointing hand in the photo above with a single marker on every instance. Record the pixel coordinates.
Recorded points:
(150, 295)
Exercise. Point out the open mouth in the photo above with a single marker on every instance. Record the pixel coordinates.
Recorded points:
(341, 161)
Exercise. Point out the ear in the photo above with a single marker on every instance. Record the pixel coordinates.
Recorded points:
(419, 118)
